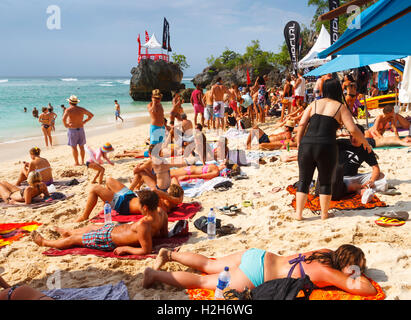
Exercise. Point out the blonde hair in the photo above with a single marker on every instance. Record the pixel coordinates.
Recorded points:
(33, 177)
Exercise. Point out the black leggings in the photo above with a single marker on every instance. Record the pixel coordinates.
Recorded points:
(321, 156)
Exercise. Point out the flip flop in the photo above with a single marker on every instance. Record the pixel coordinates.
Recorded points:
(276, 189)
(247, 203)
(225, 230)
(391, 192)
(389, 222)
(257, 194)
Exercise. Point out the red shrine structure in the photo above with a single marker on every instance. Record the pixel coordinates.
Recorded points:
(151, 43)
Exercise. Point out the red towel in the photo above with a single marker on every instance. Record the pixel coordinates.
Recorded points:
(182, 212)
(169, 243)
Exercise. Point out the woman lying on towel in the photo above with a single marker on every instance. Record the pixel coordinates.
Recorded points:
(13, 194)
(22, 292)
(38, 164)
(341, 268)
(274, 141)
(208, 171)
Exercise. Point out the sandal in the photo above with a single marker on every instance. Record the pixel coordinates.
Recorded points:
(226, 230)
(389, 222)
(247, 203)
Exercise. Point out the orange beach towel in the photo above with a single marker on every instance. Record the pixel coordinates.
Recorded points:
(349, 203)
(10, 232)
(329, 293)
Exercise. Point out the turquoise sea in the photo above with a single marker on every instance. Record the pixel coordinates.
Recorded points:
(95, 94)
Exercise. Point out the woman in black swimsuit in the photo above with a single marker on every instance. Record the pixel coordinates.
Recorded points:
(316, 141)
(46, 125)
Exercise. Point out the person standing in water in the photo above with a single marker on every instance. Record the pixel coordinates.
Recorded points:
(46, 125)
(117, 112)
(73, 120)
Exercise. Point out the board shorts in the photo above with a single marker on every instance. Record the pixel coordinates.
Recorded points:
(100, 239)
(218, 109)
(264, 139)
(157, 134)
(301, 98)
(198, 108)
(121, 201)
(381, 185)
(252, 264)
(208, 113)
(76, 137)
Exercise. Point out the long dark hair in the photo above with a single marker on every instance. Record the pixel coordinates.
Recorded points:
(332, 90)
(345, 255)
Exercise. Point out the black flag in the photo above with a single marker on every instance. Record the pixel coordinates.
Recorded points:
(292, 38)
(166, 36)
(334, 23)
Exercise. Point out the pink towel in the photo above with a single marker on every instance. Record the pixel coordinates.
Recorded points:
(182, 212)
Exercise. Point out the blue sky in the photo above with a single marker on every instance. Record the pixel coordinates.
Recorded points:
(98, 38)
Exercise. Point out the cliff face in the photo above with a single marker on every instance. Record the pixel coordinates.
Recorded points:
(150, 75)
(236, 76)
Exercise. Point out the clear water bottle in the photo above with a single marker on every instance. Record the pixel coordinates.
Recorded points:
(211, 224)
(107, 213)
(223, 281)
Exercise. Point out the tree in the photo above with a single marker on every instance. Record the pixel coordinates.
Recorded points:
(181, 60)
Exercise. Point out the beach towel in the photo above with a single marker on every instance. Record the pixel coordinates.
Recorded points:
(196, 187)
(106, 292)
(10, 232)
(38, 202)
(329, 293)
(181, 212)
(349, 202)
(169, 243)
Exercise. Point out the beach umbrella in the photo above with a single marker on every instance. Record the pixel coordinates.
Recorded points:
(383, 28)
(352, 61)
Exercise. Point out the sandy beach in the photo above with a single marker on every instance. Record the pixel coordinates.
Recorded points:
(267, 225)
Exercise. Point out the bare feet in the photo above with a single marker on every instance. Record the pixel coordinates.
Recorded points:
(148, 278)
(37, 238)
(64, 233)
(80, 219)
(162, 258)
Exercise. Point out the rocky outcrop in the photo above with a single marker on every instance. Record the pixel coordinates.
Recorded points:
(150, 75)
(236, 76)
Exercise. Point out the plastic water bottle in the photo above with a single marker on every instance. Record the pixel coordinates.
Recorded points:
(107, 213)
(223, 281)
(211, 224)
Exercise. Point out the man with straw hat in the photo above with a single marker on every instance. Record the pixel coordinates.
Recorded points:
(73, 120)
(157, 125)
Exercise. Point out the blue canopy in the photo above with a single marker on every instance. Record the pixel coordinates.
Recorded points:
(383, 28)
(347, 62)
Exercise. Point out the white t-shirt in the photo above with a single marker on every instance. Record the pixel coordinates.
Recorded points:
(300, 90)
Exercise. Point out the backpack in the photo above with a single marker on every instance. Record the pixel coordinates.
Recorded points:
(277, 289)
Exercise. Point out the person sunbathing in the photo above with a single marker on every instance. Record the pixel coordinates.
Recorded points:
(274, 141)
(135, 238)
(389, 119)
(13, 194)
(155, 172)
(37, 164)
(123, 200)
(171, 199)
(208, 171)
(20, 292)
(341, 268)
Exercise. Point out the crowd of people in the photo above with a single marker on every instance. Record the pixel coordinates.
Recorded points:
(176, 146)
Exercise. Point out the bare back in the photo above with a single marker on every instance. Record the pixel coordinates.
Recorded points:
(218, 91)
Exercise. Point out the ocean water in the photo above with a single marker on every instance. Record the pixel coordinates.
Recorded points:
(95, 94)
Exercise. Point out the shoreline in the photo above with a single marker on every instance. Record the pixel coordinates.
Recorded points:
(17, 150)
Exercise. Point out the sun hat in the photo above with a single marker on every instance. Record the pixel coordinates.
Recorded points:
(73, 100)
(290, 123)
(107, 147)
(156, 94)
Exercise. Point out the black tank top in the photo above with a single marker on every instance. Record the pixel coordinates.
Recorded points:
(321, 129)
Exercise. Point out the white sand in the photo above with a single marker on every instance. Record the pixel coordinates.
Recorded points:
(267, 225)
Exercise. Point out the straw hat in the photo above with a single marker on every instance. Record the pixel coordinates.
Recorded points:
(73, 100)
(290, 123)
(156, 94)
(107, 147)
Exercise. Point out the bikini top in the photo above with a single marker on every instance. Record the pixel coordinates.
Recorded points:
(321, 128)
(294, 263)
